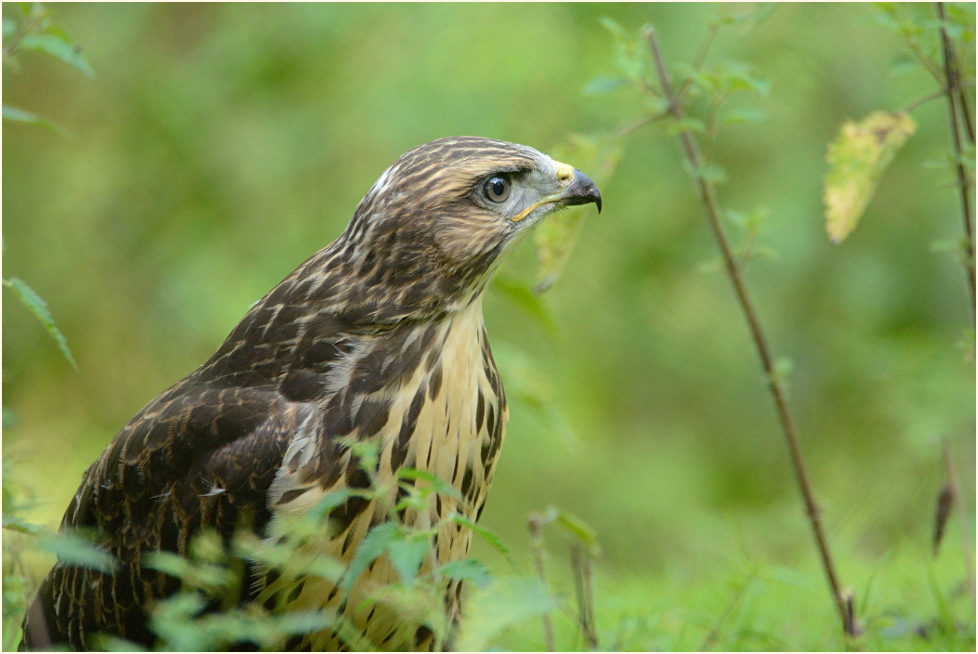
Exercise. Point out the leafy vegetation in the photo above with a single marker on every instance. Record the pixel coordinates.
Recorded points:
(211, 135)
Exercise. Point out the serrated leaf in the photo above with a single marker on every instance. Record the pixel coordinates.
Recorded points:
(603, 84)
(857, 159)
(57, 45)
(437, 484)
(371, 547)
(74, 549)
(406, 552)
(39, 308)
(467, 570)
(507, 602)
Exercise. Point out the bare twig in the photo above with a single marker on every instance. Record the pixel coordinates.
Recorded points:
(955, 492)
(581, 562)
(760, 341)
(536, 544)
(953, 89)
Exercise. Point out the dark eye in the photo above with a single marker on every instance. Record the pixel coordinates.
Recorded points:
(497, 188)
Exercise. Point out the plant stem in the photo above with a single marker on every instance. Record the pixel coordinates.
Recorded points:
(952, 482)
(585, 593)
(952, 88)
(760, 341)
(536, 544)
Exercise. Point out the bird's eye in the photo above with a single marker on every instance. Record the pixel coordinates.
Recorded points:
(497, 188)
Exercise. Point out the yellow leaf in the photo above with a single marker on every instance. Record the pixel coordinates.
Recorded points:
(857, 159)
(597, 157)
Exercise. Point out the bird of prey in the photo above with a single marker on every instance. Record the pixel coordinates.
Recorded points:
(377, 336)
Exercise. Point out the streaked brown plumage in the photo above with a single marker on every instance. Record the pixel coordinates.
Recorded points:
(379, 335)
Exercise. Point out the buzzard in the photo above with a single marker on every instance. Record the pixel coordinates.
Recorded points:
(377, 336)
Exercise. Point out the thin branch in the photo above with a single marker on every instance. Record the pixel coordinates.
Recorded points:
(536, 544)
(760, 341)
(698, 60)
(953, 88)
(922, 101)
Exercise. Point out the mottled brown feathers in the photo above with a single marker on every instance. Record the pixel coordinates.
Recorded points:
(377, 336)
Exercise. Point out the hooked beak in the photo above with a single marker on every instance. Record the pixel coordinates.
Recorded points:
(581, 191)
(578, 189)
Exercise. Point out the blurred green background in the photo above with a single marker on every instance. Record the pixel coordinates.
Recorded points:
(219, 145)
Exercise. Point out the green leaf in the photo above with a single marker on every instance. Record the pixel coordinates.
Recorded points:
(614, 27)
(39, 308)
(711, 173)
(372, 546)
(526, 299)
(508, 602)
(467, 570)
(437, 484)
(330, 501)
(603, 84)
(56, 44)
(743, 115)
(492, 539)
(9, 27)
(687, 125)
(578, 529)
(21, 116)
(406, 552)
(18, 524)
(857, 159)
(74, 549)
(555, 238)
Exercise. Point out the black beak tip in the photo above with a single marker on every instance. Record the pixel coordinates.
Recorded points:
(583, 190)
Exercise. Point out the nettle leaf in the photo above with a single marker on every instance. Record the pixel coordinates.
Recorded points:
(436, 483)
(406, 552)
(604, 84)
(57, 44)
(857, 159)
(76, 550)
(507, 602)
(467, 570)
(492, 539)
(39, 308)
(373, 545)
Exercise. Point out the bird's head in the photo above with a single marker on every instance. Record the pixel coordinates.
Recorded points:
(439, 218)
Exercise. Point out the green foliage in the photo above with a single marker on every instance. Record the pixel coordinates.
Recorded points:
(200, 173)
(39, 308)
(509, 601)
(34, 30)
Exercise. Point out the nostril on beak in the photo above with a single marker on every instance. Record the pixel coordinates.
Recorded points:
(564, 172)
